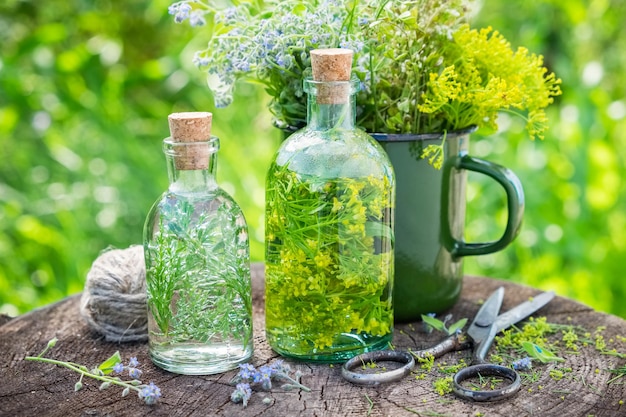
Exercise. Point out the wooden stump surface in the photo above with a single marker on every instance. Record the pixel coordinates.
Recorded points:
(38, 389)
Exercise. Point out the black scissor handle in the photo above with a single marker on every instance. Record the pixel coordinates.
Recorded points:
(486, 369)
(378, 378)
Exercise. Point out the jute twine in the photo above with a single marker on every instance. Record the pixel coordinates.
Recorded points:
(114, 299)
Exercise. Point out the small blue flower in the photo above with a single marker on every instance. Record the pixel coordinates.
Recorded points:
(200, 60)
(230, 13)
(118, 368)
(133, 362)
(182, 13)
(173, 9)
(264, 376)
(241, 394)
(241, 65)
(150, 393)
(134, 373)
(246, 371)
(523, 364)
(196, 18)
(279, 366)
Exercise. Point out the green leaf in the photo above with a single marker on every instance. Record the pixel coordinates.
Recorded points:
(405, 106)
(299, 9)
(433, 322)
(540, 354)
(107, 366)
(457, 326)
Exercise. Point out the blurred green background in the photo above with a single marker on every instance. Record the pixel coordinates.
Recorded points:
(86, 87)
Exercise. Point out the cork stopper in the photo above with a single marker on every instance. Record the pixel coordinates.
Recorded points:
(330, 65)
(190, 132)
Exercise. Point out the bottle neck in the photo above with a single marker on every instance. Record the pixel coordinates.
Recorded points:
(191, 167)
(331, 116)
(331, 105)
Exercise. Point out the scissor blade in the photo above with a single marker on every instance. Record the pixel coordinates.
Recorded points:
(486, 316)
(522, 311)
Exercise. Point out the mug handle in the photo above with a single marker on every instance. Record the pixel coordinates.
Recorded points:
(515, 203)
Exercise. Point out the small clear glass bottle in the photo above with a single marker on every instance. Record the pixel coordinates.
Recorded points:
(197, 260)
(330, 195)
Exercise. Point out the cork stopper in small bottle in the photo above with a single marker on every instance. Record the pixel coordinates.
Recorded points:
(188, 128)
(330, 65)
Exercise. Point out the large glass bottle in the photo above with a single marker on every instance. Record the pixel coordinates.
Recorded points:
(329, 228)
(197, 260)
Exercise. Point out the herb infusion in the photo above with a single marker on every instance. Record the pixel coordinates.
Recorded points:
(197, 260)
(330, 195)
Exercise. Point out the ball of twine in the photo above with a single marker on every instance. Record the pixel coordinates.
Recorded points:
(114, 299)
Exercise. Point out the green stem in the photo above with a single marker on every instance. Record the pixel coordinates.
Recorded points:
(296, 383)
(83, 371)
(47, 348)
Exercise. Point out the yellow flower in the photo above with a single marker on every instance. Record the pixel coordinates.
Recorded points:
(356, 229)
(337, 205)
(350, 280)
(322, 259)
(300, 256)
(323, 342)
(359, 214)
(355, 322)
(314, 283)
(355, 186)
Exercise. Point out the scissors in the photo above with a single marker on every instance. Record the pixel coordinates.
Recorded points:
(479, 336)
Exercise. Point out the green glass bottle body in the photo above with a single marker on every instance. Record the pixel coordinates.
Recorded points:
(330, 195)
(197, 271)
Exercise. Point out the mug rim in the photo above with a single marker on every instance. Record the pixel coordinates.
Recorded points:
(413, 137)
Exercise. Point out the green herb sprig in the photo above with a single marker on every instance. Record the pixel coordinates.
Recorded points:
(150, 393)
(329, 257)
(542, 355)
(440, 325)
(198, 261)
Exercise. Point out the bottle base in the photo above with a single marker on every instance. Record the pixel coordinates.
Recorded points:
(194, 359)
(338, 353)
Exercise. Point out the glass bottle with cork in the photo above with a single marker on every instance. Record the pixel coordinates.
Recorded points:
(330, 195)
(197, 260)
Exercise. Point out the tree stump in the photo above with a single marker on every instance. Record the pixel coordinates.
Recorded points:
(38, 389)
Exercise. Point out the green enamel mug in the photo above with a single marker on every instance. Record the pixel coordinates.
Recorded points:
(430, 219)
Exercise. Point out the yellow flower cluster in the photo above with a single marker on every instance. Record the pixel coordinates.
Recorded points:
(329, 262)
(488, 76)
